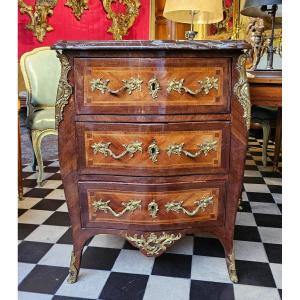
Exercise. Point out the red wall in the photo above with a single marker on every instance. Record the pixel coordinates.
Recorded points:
(92, 26)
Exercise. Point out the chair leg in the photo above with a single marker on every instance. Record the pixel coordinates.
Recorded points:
(266, 134)
(36, 143)
(34, 160)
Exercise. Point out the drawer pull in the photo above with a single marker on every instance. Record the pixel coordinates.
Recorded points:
(177, 206)
(130, 149)
(153, 209)
(205, 148)
(205, 86)
(129, 206)
(129, 85)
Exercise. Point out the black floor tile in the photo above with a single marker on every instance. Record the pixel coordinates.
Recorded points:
(255, 273)
(280, 207)
(274, 253)
(44, 279)
(246, 207)
(260, 197)
(66, 238)
(128, 246)
(99, 258)
(271, 174)
(124, 286)
(24, 230)
(208, 247)
(251, 167)
(211, 290)
(55, 176)
(275, 189)
(69, 298)
(48, 204)
(246, 233)
(38, 193)
(173, 265)
(256, 180)
(51, 169)
(58, 218)
(268, 220)
(32, 252)
(280, 293)
(30, 183)
(26, 174)
(21, 212)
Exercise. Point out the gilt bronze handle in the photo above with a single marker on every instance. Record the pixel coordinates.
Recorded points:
(130, 149)
(205, 148)
(205, 86)
(177, 206)
(129, 206)
(129, 85)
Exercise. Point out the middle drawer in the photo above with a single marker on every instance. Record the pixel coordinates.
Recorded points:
(153, 149)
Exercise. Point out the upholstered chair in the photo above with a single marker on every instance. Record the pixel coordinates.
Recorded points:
(41, 71)
(266, 118)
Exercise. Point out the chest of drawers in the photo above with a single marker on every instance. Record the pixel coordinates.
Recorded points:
(152, 140)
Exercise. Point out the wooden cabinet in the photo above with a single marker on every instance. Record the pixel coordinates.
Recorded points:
(152, 140)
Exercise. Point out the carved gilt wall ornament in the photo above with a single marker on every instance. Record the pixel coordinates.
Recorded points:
(121, 22)
(73, 272)
(241, 89)
(153, 244)
(64, 90)
(129, 206)
(129, 85)
(78, 7)
(130, 149)
(201, 205)
(38, 16)
(205, 148)
(205, 86)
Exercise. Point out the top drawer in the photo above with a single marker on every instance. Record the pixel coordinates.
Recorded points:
(152, 85)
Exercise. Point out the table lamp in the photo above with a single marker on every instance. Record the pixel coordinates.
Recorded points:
(263, 9)
(194, 12)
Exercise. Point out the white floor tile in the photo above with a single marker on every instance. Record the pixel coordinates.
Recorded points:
(183, 246)
(33, 296)
(34, 176)
(250, 292)
(55, 163)
(59, 255)
(250, 162)
(257, 188)
(47, 233)
(160, 287)
(250, 251)
(34, 216)
(273, 181)
(51, 184)
(270, 235)
(277, 198)
(131, 261)
(107, 241)
(265, 208)
(63, 208)
(89, 285)
(56, 194)
(252, 173)
(245, 219)
(244, 196)
(28, 202)
(277, 274)
(23, 270)
(209, 269)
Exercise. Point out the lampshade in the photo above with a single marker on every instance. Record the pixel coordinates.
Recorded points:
(252, 8)
(208, 11)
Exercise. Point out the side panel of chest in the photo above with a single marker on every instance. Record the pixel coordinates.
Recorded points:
(152, 85)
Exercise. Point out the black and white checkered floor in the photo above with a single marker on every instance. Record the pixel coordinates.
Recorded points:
(194, 268)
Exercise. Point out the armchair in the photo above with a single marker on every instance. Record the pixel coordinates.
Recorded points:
(41, 71)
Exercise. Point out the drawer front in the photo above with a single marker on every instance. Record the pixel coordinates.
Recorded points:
(152, 86)
(153, 149)
(124, 205)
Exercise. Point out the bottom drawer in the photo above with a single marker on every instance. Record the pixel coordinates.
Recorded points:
(124, 205)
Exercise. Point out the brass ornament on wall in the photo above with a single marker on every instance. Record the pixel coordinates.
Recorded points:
(78, 7)
(121, 22)
(38, 16)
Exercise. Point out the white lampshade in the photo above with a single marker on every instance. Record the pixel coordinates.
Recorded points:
(208, 11)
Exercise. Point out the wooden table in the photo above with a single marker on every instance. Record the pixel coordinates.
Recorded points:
(266, 90)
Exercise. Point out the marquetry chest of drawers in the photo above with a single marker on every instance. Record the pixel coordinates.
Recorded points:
(152, 140)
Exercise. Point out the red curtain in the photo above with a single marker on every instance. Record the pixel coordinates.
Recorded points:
(92, 26)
